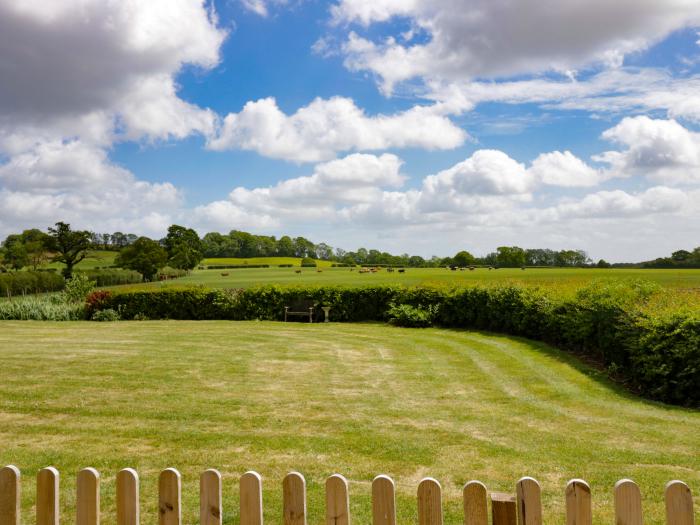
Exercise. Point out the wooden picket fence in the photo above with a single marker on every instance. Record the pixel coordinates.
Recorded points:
(521, 508)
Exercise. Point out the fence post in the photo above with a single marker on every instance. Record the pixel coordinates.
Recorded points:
(169, 488)
(383, 501)
(128, 509)
(679, 503)
(578, 503)
(474, 501)
(429, 502)
(88, 497)
(251, 499)
(503, 509)
(294, 499)
(628, 503)
(10, 488)
(529, 502)
(47, 497)
(337, 501)
(210, 509)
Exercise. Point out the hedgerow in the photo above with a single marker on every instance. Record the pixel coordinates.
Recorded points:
(24, 283)
(654, 351)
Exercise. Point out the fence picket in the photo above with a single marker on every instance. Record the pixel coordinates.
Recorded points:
(251, 499)
(337, 501)
(474, 501)
(529, 502)
(503, 509)
(628, 503)
(429, 502)
(128, 508)
(578, 503)
(679, 503)
(88, 497)
(383, 501)
(169, 506)
(47, 497)
(294, 499)
(10, 495)
(210, 508)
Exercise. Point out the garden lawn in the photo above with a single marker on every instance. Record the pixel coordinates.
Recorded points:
(359, 399)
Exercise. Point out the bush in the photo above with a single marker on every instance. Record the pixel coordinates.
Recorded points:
(106, 315)
(235, 266)
(113, 276)
(412, 316)
(40, 309)
(656, 353)
(77, 288)
(308, 262)
(23, 283)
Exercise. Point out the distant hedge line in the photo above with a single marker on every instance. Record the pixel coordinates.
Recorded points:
(13, 284)
(655, 355)
(113, 276)
(235, 266)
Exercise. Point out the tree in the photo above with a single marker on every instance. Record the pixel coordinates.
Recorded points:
(510, 256)
(14, 253)
(145, 256)
(463, 259)
(184, 247)
(34, 241)
(70, 246)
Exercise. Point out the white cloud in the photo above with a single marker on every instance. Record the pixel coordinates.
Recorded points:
(661, 150)
(564, 169)
(483, 38)
(256, 6)
(327, 126)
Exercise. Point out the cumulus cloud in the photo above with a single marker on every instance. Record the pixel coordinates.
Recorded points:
(661, 150)
(327, 126)
(564, 169)
(483, 38)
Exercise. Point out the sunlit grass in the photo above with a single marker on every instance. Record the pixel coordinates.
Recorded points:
(359, 399)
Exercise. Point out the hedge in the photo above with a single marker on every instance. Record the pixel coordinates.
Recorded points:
(23, 283)
(235, 266)
(112, 276)
(654, 354)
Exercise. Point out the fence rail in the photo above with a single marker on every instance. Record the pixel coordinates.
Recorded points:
(523, 507)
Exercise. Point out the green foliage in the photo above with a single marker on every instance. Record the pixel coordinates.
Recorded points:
(412, 316)
(70, 246)
(463, 259)
(184, 247)
(106, 315)
(308, 262)
(144, 256)
(34, 308)
(23, 283)
(655, 353)
(113, 276)
(77, 288)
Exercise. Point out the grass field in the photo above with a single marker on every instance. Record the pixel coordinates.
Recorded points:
(359, 399)
(95, 259)
(572, 277)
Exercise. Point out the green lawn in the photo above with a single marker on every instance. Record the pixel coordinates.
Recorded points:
(359, 399)
(572, 277)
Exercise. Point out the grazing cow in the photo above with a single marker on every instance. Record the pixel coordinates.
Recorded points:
(297, 271)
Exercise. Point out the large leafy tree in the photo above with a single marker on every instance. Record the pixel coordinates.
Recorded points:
(184, 247)
(144, 255)
(69, 246)
(14, 253)
(464, 258)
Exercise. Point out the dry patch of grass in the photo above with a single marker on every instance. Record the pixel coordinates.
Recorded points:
(355, 399)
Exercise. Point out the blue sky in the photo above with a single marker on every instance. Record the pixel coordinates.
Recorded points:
(423, 126)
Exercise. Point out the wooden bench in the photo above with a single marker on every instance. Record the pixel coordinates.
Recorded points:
(301, 308)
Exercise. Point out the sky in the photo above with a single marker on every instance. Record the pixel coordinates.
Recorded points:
(409, 126)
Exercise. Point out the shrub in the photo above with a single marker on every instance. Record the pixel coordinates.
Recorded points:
(106, 315)
(113, 276)
(308, 262)
(412, 316)
(40, 309)
(235, 266)
(77, 288)
(23, 283)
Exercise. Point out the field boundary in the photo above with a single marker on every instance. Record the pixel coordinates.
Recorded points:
(523, 507)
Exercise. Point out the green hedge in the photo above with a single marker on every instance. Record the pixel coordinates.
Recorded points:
(655, 355)
(235, 266)
(24, 283)
(113, 276)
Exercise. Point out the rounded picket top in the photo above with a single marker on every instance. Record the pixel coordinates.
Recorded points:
(578, 503)
(169, 501)
(251, 507)
(47, 491)
(429, 502)
(474, 498)
(294, 499)
(88, 497)
(383, 501)
(10, 490)
(337, 500)
(128, 508)
(679, 503)
(210, 507)
(528, 494)
(628, 503)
